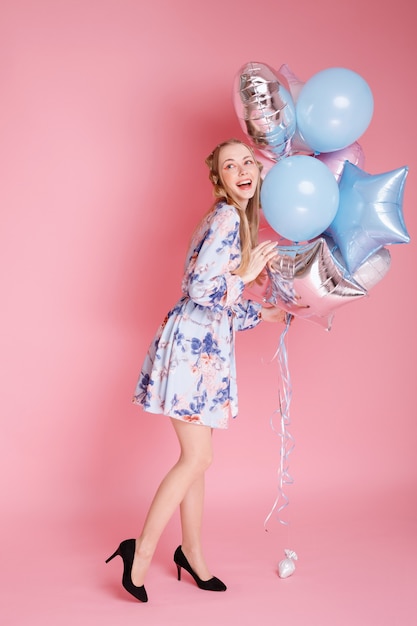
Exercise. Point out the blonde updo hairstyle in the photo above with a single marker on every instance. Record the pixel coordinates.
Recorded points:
(249, 218)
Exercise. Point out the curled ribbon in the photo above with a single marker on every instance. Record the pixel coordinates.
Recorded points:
(290, 554)
(281, 429)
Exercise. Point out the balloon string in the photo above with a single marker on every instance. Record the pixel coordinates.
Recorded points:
(281, 429)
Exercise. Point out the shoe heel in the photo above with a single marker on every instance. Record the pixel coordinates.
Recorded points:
(127, 551)
(113, 555)
(213, 584)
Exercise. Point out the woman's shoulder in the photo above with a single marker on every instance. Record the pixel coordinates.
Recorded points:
(225, 212)
(221, 220)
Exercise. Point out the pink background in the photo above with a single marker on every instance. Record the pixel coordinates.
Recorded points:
(108, 109)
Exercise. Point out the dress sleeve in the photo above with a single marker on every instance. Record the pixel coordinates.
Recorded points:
(208, 279)
(246, 314)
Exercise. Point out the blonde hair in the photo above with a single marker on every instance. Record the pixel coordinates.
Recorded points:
(249, 218)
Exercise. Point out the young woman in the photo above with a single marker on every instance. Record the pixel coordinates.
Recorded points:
(189, 372)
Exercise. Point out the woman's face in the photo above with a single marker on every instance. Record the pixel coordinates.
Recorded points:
(239, 172)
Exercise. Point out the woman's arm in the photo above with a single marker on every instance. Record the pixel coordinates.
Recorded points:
(209, 279)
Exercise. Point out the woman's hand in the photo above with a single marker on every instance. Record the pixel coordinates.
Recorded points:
(260, 256)
(273, 314)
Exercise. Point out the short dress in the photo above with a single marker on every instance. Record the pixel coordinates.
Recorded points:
(189, 372)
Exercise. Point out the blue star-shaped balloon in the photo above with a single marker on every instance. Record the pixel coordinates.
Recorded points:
(370, 213)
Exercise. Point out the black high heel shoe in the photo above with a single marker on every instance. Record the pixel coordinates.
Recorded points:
(127, 551)
(213, 584)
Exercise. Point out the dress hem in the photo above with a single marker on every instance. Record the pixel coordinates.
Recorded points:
(181, 418)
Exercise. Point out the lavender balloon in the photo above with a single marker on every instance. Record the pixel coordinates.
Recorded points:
(335, 161)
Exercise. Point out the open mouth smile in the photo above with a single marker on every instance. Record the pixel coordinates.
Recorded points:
(245, 184)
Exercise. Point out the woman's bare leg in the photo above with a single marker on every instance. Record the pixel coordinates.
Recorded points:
(195, 457)
(191, 523)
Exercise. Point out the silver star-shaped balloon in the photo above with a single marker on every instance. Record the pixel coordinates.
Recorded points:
(307, 281)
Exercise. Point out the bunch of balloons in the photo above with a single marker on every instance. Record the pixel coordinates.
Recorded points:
(335, 217)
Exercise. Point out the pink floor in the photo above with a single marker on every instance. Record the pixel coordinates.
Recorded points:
(351, 571)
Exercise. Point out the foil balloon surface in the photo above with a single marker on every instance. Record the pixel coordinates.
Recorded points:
(308, 282)
(265, 109)
(370, 214)
(372, 271)
(295, 85)
(336, 160)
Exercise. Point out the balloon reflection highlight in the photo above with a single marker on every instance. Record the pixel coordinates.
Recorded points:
(370, 214)
(334, 108)
(299, 197)
(265, 109)
(308, 282)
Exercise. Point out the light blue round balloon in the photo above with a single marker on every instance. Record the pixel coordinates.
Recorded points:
(299, 197)
(334, 108)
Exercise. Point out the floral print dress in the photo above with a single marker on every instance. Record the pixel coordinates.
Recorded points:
(189, 372)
